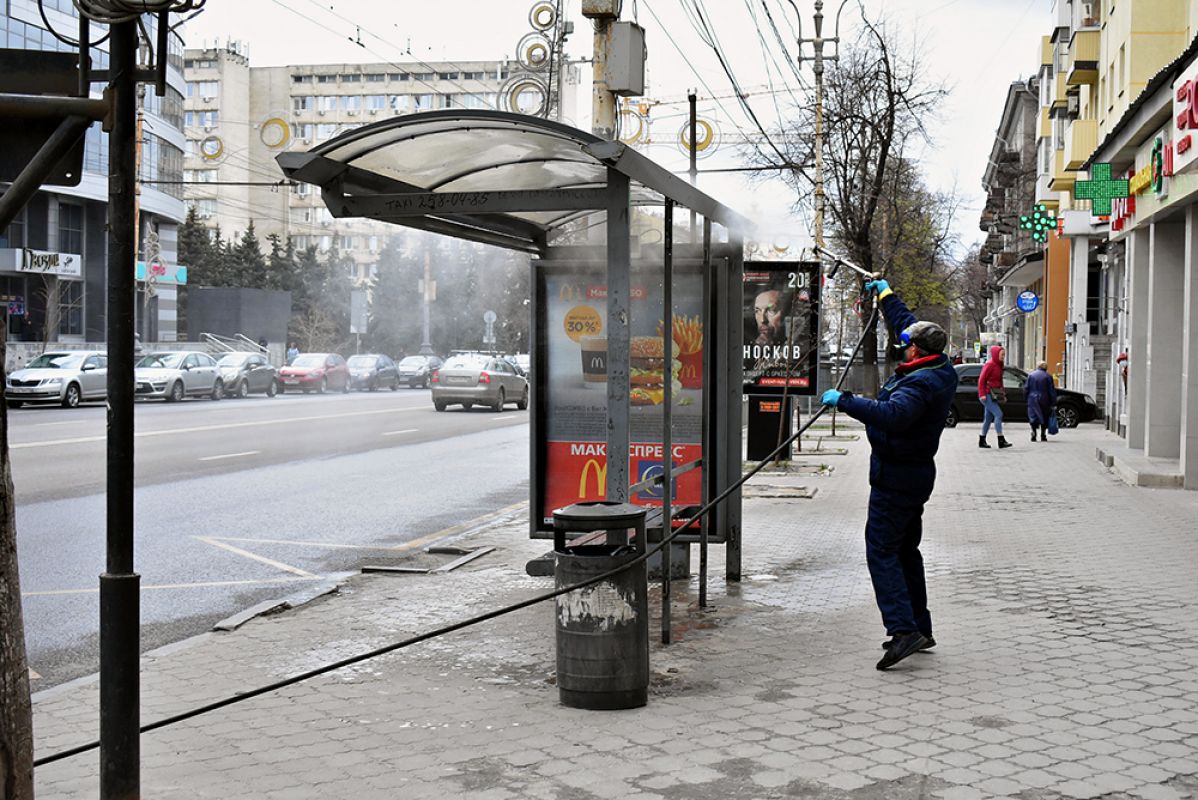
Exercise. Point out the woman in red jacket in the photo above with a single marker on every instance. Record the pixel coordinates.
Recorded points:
(990, 392)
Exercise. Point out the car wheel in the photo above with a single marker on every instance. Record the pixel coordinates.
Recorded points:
(395, 385)
(439, 405)
(951, 420)
(1068, 416)
(273, 388)
(324, 385)
(522, 404)
(72, 396)
(176, 393)
(467, 406)
(15, 403)
(243, 389)
(218, 389)
(425, 384)
(499, 402)
(345, 387)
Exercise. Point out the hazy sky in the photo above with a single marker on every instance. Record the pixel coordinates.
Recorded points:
(976, 46)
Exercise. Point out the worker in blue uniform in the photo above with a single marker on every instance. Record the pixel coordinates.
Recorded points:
(903, 425)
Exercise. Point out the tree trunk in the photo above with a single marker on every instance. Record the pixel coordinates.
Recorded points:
(16, 715)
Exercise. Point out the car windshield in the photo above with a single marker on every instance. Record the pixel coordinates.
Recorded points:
(162, 360)
(464, 362)
(56, 361)
(413, 361)
(308, 361)
(233, 359)
(362, 361)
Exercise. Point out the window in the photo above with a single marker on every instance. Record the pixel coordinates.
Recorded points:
(1011, 379)
(303, 103)
(422, 76)
(447, 76)
(375, 77)
(205, 207)
(401, 103)
(302, 130)
(302, 189)
(70, 305)
(451, 101)
(202, 119)
(474, 76)
(70, 228)
(373, 244)
(324, 243)
(301, 78)
(969, 377)
(199, 175)
(351, 77)
(422, 102)
(203, 89)
(478, 100)
(326, 130)
(300, 242)
(376, 102)
(352, 102)
(398, 76)
(326, 78)
(326, 102)
(14, 234)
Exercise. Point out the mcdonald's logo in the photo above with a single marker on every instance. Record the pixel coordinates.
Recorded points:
(600, 479)
(569, 293)
(688, 372)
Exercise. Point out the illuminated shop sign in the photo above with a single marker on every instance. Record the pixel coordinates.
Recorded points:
(1185, 118)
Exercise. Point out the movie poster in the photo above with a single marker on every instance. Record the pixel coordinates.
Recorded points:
(781, 321)
(573, 396)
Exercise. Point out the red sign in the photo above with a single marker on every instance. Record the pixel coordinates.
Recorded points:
(576, 472)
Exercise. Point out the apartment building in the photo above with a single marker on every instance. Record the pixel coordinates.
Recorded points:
(238, 118)
(1125, 102)
(66, 226)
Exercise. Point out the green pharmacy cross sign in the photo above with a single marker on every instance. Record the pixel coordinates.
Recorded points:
(1101, 189)
(1039, 222)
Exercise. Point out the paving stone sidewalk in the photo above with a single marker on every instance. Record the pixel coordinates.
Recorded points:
(1064, 611)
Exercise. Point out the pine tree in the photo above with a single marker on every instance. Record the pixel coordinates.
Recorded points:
(280, 264)
(395, 312)
(247, 267)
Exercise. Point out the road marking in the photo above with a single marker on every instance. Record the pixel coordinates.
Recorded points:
(255, 557)
(226, 426)
(397, 433)
(508, 418)
(231, 455)
(159, 586)
(64, 422)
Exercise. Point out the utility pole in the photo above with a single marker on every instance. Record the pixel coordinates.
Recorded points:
(428, 294)
(120, 749)
(603, 102)
(817, 67)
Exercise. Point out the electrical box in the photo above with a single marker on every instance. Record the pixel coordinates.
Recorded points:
(601, 9)
(625, 70)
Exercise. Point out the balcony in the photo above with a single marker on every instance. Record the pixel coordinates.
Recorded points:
(1045, 124)
(1081, 140)
(1060, 100)
(1045, 195)
(1046, 59)
(1083, 63)
(1062, 180)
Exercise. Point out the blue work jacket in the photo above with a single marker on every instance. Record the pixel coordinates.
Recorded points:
(905, 422)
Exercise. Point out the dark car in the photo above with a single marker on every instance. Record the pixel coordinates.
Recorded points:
(244, 373)
(418, 370)
(372, 371)
(1073, 407)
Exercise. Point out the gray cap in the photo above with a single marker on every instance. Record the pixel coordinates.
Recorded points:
(927, 336)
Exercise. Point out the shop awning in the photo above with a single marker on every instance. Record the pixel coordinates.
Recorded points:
(1026, 271)
(489, 176)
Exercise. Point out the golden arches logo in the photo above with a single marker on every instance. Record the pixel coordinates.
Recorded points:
(705, 136)
(569, 293)
(600, 479)
(688, 372)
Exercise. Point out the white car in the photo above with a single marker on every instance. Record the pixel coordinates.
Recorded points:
(67, 377)
(175, 374)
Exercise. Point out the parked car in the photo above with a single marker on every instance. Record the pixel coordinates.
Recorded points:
(244, 373)
(469, 379)
(317, 372)
(1073, 407)
(418, 370)
(371, 371)
(524, 362)
(65, 377)
(175, 374)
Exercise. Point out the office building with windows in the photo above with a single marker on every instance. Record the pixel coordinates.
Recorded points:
(66, 226)
(238, 118)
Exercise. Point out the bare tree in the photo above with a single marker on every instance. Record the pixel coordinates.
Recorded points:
(51, 292)
(16, 719)
(316, 330)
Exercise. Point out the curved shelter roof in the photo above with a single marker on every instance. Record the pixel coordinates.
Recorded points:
(490, 176)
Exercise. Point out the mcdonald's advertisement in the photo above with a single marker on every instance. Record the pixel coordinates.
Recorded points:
(781, 327)
(572, 394)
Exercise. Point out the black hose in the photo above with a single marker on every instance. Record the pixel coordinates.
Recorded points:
(457, 626)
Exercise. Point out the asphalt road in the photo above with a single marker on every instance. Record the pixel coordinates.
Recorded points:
(241, 501)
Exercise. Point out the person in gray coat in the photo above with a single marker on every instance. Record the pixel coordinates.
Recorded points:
(1041, 400)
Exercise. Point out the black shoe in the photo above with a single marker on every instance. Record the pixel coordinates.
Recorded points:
(1033, 434)
(982, 442)
(901, 646)
(1043, 436)
(1003, 443)
(928, 644)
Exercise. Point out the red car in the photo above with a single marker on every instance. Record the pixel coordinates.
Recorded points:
(315, 372)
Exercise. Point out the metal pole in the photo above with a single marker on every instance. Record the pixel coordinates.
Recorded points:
(667, 434)
(619, 290)
(426, 344)
(706, 526)
(120, 754)
(693, 170)
(818, 68)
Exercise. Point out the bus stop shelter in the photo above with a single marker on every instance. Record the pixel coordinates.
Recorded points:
(568, 197)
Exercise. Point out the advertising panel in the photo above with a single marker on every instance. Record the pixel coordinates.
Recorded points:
(41, 262)
(781, 321)
(571, 377)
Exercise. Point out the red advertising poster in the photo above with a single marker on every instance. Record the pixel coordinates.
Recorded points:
(573, 393)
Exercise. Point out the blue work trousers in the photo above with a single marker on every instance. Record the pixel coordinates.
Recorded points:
(892, 535)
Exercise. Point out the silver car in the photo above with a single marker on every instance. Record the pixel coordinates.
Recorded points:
(467, 380)
(175, 374)
(244, 373)
(67, 377)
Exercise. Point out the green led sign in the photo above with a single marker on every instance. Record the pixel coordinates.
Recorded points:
(1039, 222)
(1100, 190)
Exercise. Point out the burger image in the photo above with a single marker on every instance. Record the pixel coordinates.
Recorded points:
(647, 370)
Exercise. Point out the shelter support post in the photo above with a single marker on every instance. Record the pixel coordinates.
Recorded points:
(667, 433)
(728, 408)
(712, 295)
(619, 290)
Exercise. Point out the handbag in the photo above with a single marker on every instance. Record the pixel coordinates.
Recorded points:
(998, 395)
(1053, 427)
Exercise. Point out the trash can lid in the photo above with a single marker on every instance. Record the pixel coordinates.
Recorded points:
(610, 514)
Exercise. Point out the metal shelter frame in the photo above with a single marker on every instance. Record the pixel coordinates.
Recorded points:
(519, 182)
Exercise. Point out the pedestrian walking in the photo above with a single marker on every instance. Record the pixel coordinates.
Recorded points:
(904, 426)
(1041, 400)
(292, 353)
(993, 395)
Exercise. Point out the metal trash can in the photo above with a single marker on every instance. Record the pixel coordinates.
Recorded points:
(602, 630)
